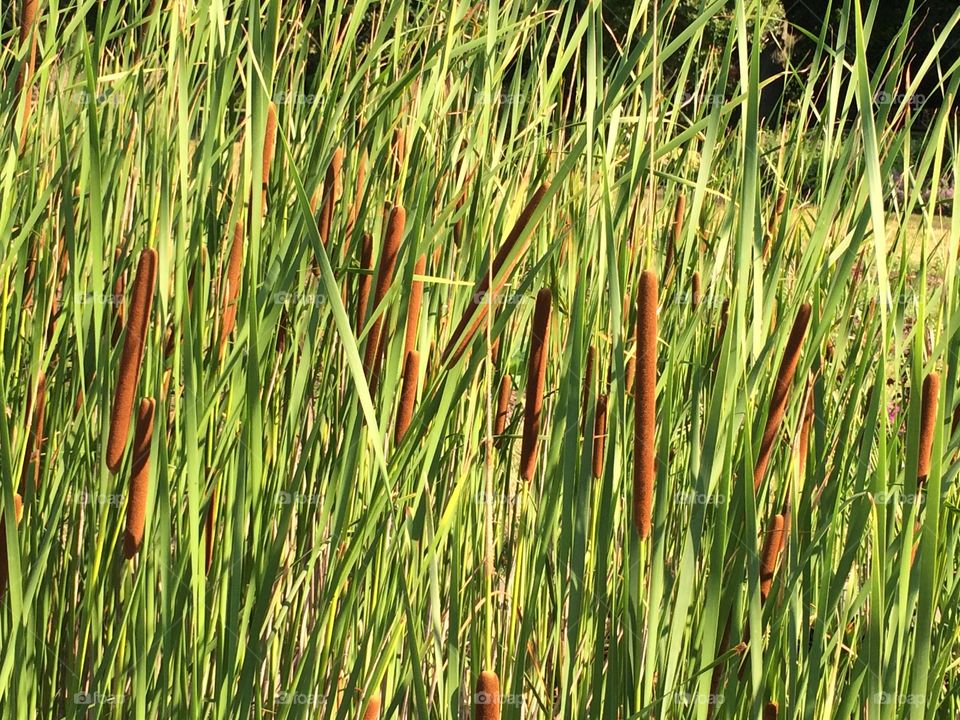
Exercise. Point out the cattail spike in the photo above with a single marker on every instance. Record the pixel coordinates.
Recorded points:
(536, 375)
(486, 701)
(31, 465)
(772, 543)
(503, 406)
(269, 144)
(770, 711)
(231, 288)
(388, 262)
(413, 307)
(928, 423)
(372, 710)
(408, 395)
(778, 400)
(139, 477)
(364, 279)
(141, 301)
(645, 404)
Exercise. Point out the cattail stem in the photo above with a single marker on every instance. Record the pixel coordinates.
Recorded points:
(477, 308)
(599, 435)
(772, 543)
(408, 395)
(536, 375)
(141, 302)
(645, 404)
(781, 389)
(388, 263)
(486, 701)
(928, 423)
(587, 388)
(139, 477)
(210, 528)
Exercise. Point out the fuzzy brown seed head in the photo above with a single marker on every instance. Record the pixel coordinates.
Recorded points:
(781, 389)
(139, 477)
(695, 290)
(269, 141)
(645, 408)
(486, 701)
(503, 406)
(364, 279)
(413, 306)
(408, 395)
(928, 423)
(372, 710)
(536, 375)
(388, 263)
(141, 301)
(772, 543)
(231, 288)
(770, 711)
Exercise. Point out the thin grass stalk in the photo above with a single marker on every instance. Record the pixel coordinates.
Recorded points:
(408, 395)
(587, 388)
(139, 479)
(781, 390)
(388, 263)
(536, 376)
(141, 302)
(4, 568)
(210, 528)
(476, 310)
(599, 436)
(645, 404)
(31, 466)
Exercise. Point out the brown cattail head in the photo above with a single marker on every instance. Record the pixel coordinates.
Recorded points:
(645, 404)
(695, 290)
(269, 141)
(139, 476)
(331, 191)
(210, 529)
(141, 301)
(413, 307)
(536, 375)
(477, 308)
(928, 423)
(770, 711)
(31, 465)
(599, 435)
(408, 394)
(372, 710)
(364, 279)
(231, 288)
(503, 406)
(486, 701)
(778, 401)
(28, 18)
(388, 263)
(772, 543)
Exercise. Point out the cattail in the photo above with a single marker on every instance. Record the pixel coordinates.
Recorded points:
(269, 143)
(772, 543)
(17, 513)
(331, 183)
(645, 404)
(486, 701)
(231, 289)
(364, 279)
(210, 529)
(357, 194)
(477, 308)
(132, 355)
(695, 290)
(536, 374)
(774, 224)
(503, 405)
(599, 435)
(31, 467)
(778, 401)
(928, 423)
(399, 146)
(139, 475)
(372, 710)
(587, 387)
(413, 307)
(388, 262)
(770, 711)
(408, 394)
(28, 16)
